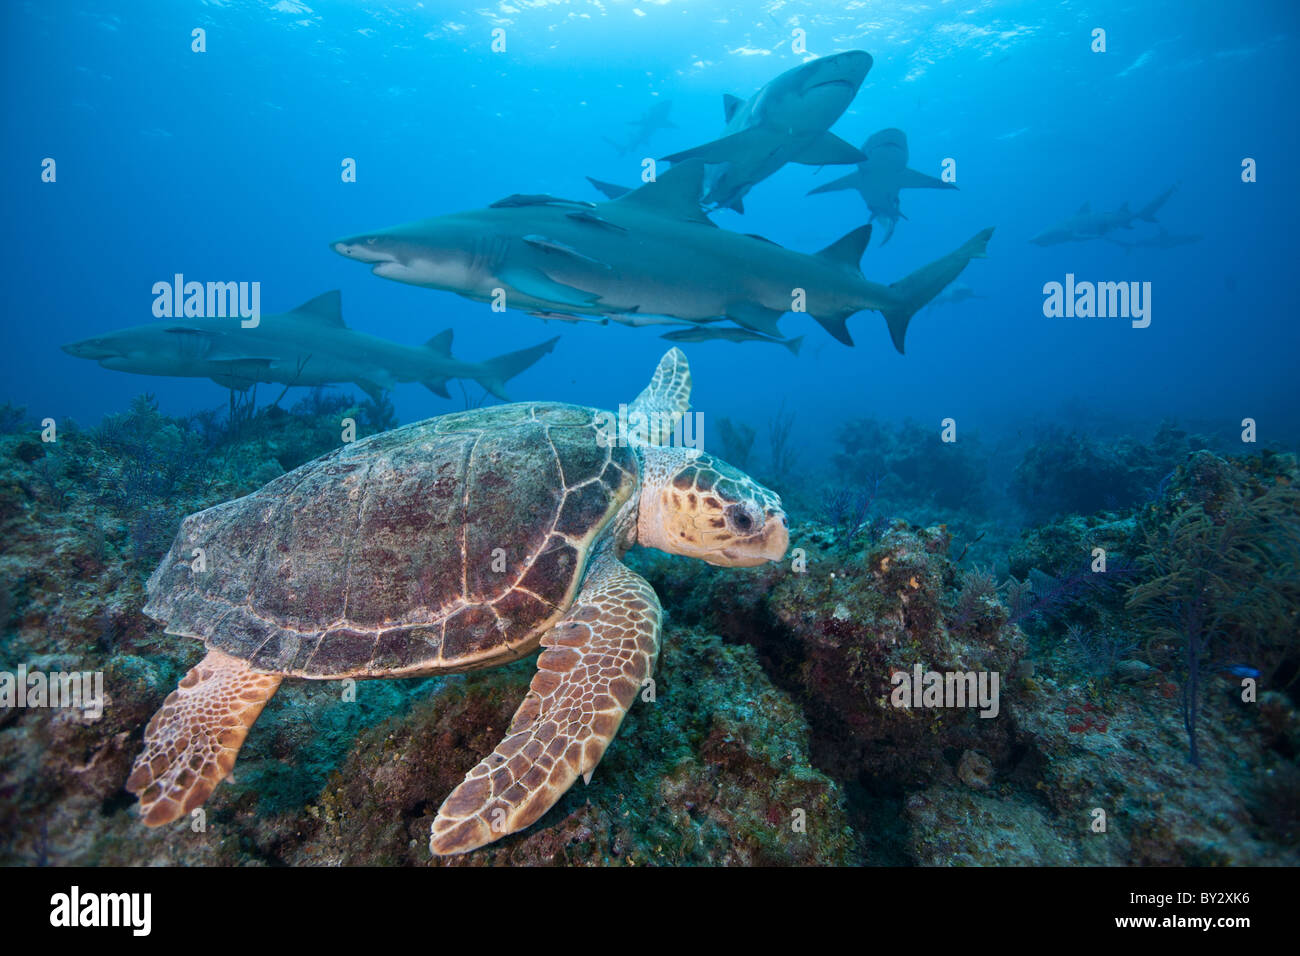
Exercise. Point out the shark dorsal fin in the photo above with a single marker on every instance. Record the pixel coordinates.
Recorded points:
(730, 104)
(848, 250)
(675, 193)
(1085, 208)
(326, 309)
(440, 343)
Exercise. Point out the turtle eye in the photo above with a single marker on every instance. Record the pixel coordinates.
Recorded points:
(739, 519)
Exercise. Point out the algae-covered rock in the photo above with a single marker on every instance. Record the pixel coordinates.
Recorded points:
(713, 770)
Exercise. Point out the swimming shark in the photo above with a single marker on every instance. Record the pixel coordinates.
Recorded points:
(309, 345)
(787, 121)
(1086, 224)
(653, 120)
(957, 292)
(1163, 240)
(882, 175)
(650, 252)
(707, 334)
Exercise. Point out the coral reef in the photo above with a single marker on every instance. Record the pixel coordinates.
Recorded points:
(775, 735)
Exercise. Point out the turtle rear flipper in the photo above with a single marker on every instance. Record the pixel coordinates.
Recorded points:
(190, 745)
(588, 674)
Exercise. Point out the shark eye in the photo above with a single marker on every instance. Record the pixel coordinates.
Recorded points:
(739, 519)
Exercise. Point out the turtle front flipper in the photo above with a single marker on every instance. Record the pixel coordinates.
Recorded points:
(590, 670)
(666, 399)
(190, 745)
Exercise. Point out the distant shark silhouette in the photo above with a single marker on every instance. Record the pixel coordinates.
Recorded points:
(884, 173)
(705, 333)
(957, 292)
(787, 121)
(1086, 224)
(651, 252)
(654, 119)
(307, 346)
(1163, 240)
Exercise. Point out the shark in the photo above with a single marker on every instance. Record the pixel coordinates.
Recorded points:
(653, 120)
(957, 292)
(707, 334)
(787, 121)
(653, 251)
(1163, 240)
(880, 177)
(309, 345)
(1086, 224)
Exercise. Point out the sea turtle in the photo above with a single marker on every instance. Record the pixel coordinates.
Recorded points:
(455, 543)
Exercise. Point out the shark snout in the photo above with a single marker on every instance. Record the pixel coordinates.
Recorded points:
(363, 249)
(841, 69)
(89, 349)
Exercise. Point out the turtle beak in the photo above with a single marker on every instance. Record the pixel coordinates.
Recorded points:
(776, 537)
(768, 545)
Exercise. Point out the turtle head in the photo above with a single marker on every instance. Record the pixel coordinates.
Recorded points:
(699, 506)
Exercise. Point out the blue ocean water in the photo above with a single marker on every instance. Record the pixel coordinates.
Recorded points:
(231, 163)
(225, 165)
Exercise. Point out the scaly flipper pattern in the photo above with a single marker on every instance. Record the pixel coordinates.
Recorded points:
(590, 670)
(667, 398)
(190, 745)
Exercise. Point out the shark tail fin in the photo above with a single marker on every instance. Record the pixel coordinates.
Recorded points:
(844, 182)
(889, 228)
(495, 372)
(917, 289)
(1148, 212)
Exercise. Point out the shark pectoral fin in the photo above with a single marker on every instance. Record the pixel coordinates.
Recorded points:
(233, 382)
(373, 390)
(738, 205)
(756, 318)
(537, 285)
(844, 182)
(848, 249)
(327, 309)
(729, 106)
(438, 386)
(440, 344)
(829, 150)
(912, 179)
(725, 150)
